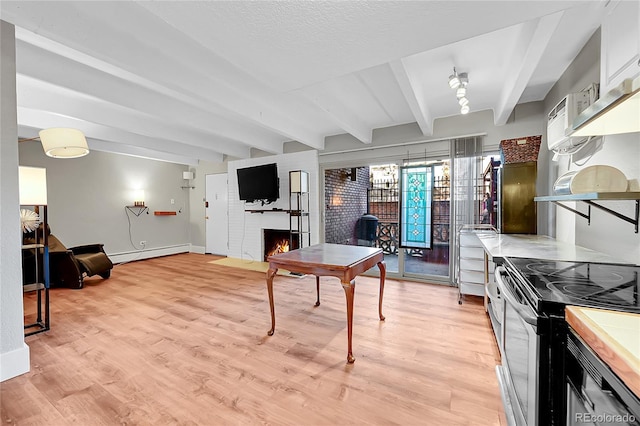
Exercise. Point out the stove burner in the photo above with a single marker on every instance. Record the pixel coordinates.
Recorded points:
(594, 294)
(578, 272)
(551, 284)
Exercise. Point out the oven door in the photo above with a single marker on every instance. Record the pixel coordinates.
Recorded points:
(595, 395)
(520, 353)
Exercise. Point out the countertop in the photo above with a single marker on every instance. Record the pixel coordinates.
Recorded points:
(499, 246)
(614, 336)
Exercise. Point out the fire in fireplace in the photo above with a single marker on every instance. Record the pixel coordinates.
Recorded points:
(277, 241)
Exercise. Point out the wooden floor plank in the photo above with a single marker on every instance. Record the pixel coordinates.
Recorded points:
(179, 340)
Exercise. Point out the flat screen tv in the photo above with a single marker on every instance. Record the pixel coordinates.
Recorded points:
(259, 183)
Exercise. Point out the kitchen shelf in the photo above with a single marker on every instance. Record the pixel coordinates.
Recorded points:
(589, 199)
(164, 213)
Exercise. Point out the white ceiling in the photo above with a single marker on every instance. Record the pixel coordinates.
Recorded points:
(189, 81)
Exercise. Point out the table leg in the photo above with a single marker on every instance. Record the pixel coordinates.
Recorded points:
(382, 266)
(270, 274)
(318, 290)
(349, 291)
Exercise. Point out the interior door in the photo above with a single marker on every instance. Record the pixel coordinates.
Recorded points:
(217, 215)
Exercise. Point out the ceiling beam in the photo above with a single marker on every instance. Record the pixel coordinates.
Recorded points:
(44, 119)
(327, 96)
(134, 93)
(416, 98)
(121, 149)
(172, 60)
(533, 42)
(36, 95)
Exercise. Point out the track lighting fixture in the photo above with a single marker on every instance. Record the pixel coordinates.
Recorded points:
(454, 80)
(458, 82)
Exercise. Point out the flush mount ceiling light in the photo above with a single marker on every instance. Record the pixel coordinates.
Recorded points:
(458, 82)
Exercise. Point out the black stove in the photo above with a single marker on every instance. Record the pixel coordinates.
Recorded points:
(551, 284)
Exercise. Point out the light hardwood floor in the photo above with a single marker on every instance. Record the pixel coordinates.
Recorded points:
(177, 340)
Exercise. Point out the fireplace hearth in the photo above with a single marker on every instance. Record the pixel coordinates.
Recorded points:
(278, 241)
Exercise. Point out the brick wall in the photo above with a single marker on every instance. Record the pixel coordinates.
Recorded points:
(386, 211)
(520, 150)
(346, 202)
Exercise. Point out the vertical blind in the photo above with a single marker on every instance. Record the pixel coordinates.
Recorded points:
(467, 165)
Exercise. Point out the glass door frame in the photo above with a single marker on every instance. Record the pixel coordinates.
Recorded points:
(401, 272)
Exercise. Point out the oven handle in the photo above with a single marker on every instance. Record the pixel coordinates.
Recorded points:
(524, 311)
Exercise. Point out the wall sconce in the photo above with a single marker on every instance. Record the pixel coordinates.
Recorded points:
(188, 176)
(353, 174)
(138, 197)
(335, 201)
(138, 206)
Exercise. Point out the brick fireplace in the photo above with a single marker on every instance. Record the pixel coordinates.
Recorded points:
(277, 241)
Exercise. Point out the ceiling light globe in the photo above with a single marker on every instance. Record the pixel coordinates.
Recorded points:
(464, 109)
(461, 92)
(463, 101)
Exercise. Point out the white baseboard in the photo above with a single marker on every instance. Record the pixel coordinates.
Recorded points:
(148, 253)
(14, 363)
(197, 249)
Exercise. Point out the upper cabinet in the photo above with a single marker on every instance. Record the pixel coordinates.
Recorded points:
(620, 54)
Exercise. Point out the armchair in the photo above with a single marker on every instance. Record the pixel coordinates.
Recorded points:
(68, 267)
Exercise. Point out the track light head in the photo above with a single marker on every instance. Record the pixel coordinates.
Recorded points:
(458, 82)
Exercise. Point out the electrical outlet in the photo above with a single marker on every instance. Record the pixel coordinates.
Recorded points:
(173, 201)
(143, 243)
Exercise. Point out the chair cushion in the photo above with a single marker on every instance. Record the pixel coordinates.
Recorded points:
(94, 263)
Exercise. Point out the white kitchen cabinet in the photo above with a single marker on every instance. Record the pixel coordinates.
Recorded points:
(620, 44)
(471, 274)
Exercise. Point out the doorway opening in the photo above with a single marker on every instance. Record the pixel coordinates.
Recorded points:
(375, 195)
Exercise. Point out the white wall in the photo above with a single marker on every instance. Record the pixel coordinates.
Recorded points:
(14, 353)
(245, 229)
(87, 199)
(606, 234)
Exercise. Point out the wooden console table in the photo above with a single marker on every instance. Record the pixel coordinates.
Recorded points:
(341, 261)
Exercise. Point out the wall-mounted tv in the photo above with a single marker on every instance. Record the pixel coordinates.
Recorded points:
(259, 183)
